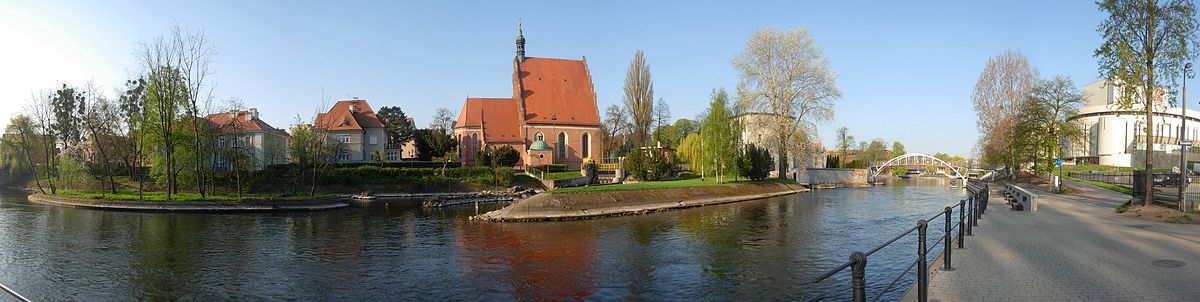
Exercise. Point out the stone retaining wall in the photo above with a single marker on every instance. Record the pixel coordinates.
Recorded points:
(833, 177)
(567, 206)
(190, 206)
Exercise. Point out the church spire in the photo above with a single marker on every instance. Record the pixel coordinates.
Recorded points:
(520, 44)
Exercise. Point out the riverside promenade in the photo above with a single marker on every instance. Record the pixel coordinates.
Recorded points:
(1073, 249)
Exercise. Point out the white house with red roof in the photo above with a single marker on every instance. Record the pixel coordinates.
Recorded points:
(354, 124)
(242, 130)
(553, 102)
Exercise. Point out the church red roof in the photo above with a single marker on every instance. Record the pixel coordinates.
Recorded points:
(557, 91)
(349, 115)
(500, 117)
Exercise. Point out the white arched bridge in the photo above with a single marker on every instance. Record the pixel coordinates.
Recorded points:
(915, 160)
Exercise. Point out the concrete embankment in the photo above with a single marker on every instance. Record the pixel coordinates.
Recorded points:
(191, 206)
(567, 206)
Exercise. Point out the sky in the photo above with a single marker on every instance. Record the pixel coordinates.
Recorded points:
(906, 69)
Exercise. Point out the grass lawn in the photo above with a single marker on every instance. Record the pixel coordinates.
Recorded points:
(563, 175)
(183, 197)
(649, 185)
(1115, 188)
(526, 181)
(1095, 168)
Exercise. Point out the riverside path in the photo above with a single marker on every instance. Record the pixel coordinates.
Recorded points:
(1074, 248)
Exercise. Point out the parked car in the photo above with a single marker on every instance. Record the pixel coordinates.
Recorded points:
(1169, 180)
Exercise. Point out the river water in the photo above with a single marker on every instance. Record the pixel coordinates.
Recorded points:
(398, 251)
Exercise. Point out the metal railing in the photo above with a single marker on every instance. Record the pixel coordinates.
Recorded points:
(13, 293)
(1112, 178)
(969, 212)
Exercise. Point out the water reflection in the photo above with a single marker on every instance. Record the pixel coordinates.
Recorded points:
(397, 250)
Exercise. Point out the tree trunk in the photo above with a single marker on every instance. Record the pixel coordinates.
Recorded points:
(29, 159)
(1148, 90)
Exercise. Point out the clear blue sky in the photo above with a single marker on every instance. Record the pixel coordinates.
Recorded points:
(906, 68)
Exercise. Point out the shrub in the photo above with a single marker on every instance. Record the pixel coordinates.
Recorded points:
(755, 163)
(389, 176)
(505, 156)
(647, 166)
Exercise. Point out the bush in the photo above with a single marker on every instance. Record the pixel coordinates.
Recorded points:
(647, 166)
(375, 175)
(505, 156)
(755, 163)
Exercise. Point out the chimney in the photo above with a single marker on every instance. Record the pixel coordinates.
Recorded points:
(253, 113)
(233, 113)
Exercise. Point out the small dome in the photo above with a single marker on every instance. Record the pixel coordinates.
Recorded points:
(539, 146)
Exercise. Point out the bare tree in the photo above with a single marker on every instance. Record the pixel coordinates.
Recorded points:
(42, 112)
(662, 113)
(178, 68)
(999, 95)
(1145, 46)
(99, 119)
(616, 122)
(443, 119)
(133, 117)
(785, 76)
(639, 98)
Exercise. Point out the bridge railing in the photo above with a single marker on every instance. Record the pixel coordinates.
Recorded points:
(969, 212)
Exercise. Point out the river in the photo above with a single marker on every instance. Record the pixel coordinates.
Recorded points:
(398, 251)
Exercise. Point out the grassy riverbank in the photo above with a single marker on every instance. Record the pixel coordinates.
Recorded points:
(1107, 186)
(186, 197)
(690, 182)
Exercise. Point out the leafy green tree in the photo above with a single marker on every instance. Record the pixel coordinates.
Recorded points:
(898, 149)
(397, 125)
(434, 144)
(876, 151)
(21, 145)
(1146, 43)
(845, 141)
(1043, 126)
(719, 134)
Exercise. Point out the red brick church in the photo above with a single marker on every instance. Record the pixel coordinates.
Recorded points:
(551, 117)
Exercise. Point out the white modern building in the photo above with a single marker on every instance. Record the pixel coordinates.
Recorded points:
(1116, 137)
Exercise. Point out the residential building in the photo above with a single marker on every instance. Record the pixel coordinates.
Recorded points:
(1116, 137)
(553, 101)
(242, 130)
(354, 124)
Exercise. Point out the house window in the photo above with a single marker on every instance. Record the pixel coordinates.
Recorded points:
(344, 156)
(539, 136)
(393, 156)
(344, 138)
(584, 144)
(374, 140)
(561, 147)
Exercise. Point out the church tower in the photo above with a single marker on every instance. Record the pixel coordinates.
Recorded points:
(520, 45)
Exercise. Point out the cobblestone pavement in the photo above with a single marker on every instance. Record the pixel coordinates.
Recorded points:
(1073, 249)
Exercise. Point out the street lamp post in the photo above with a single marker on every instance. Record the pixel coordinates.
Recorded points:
(1183, 141)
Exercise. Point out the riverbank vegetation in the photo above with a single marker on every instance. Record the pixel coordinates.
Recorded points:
(156, 140)
(685, 182)
(186, 197)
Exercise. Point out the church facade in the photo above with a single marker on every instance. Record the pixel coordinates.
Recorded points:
(551, 117)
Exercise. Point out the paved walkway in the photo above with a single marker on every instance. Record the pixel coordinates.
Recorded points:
(1073, 249)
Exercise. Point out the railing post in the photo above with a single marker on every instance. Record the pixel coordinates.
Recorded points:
(922, 265)
(970, 214)
(858, 270)
(976, 212)
(962, 212)
(946, 249)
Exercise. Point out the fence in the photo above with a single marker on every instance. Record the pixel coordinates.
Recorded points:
(1112, 178)
(969, 211)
